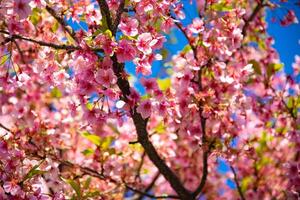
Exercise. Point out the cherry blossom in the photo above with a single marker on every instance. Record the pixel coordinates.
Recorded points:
(22, 8)
(85, 114)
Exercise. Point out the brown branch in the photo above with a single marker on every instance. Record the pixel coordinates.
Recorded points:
(105, 13)
(150, 195)
(140, 165)
(5, 128)
(237, 183)
(62, 22)
(118, 17)
(45, 44)
(85, 170)
(205, 169)
(139, 122)
(256, 10)
(150, 186)
(180, 27)
(20, 52)
(41, 43)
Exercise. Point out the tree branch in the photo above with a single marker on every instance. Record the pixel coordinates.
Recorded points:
(150, 195)
(62, 22)
(237, 183)
(205, 169)
(105, 13)
(20, 52)
(5, 128)
(140, 165)
(41, 43)
(45, 44)
(139, 122)
(150, 186)
(256, 10)
(118, 16)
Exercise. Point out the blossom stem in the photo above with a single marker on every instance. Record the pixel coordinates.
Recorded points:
(237, 183)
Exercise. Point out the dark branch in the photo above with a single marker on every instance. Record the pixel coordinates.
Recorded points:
(205, 168)
(138, 171)
(45, 44)
(139, 122)
(62, 22)
(5, 128)
(105, 12)
(256, 10)
(150, 186)
(237, 183)
(41, 43)
(150, 195)
(118, 16)
(20, 52)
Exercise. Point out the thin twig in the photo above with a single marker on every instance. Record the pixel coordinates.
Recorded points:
(150, 195)
(46, 44)
(118, 16)
(62, 22)
(5, 128)
(140, 166)
(150, 186)
(237, 183)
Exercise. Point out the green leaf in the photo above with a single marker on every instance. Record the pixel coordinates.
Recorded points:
(104, 25)
(186, 49)
(245, 182)
(35, 16)
(106, 142)
(56, 93)
(273, 68)
(97, 32)
(256, 66)
(108, 33)
(55, 26)
(89, 106)
(88, 152)
(221, 7)
(4, 58)
(33, 171)
(93, 138)
(164, 84)
(160, 128)
(111, 151)
(164, 53)
(70, 39)
(76, 187)
(290, 102)
(87, 183)
(92, 194)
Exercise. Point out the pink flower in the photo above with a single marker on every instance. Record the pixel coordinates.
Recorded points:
(143, 64)
(105, 77)
(150, 84)
(12, 187)
(162, 108)
(22, 8)
(289, 19)
(197, 26)
(14, 26)
(125, 51)
(129, 27)
(106, 63)
(167, 25)
(133, 97)
(107, 44)
(145, 109)
(145, 42)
